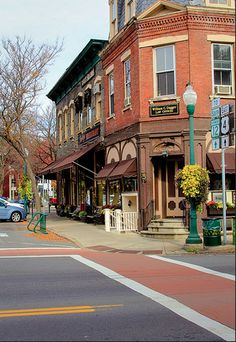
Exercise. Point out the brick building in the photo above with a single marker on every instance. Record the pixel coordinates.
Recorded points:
(78, 98)
(155, 48)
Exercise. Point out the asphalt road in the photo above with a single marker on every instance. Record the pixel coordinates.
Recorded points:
(74, 294)
(61, 299)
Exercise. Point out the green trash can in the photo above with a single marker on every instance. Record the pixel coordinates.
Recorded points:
(211, 231)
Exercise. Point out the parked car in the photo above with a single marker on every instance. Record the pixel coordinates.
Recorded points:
(8, 211)
(15, 204)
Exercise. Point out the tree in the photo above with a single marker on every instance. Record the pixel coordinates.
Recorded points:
(23, 66)
(44, 139)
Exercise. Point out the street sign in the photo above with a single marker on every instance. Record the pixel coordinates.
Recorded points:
(225, 141)
(224, 110)
(215, 113)
(215, 131)
(215, 122)
(216, 144)
(224, 127)
(215, 102)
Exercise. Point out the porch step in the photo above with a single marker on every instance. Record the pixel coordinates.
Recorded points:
(166, 229)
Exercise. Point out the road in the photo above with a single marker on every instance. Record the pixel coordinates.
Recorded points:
(63, 293)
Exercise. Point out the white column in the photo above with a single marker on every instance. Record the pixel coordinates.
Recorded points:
(118, 220)
(107, 220)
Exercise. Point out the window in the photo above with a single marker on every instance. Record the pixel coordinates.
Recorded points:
(127, 82)
(113, 10)
(111, 94)
(222, 68)
(113, 16)
(219, 2)
(72, 122)
(165, 70)
(60, 128)
(130, 9)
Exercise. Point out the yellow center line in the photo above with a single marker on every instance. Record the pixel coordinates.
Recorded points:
(55, 311)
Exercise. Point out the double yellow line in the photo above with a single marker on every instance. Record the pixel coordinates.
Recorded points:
(55, 311)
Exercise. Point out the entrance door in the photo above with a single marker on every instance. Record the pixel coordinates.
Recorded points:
(167, 194)
(173, 195)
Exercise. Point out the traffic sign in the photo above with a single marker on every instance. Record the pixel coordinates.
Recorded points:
(216, 144)
(215, 122)
(215, 131)
(225, 141)
(215, 113)
(224, 110)
(215, 102)
(224, 127)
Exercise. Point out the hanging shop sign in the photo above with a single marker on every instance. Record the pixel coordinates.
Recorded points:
(167, 109)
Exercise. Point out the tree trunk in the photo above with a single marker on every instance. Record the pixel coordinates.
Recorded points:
(34, 187)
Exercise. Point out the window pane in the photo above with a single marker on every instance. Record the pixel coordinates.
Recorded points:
(222, 64)
(165, 83)
(161, 83)
(169, 57)
(112, 104)
(170, 83)
(160, 58)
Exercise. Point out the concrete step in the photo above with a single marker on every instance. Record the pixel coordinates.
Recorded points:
(164, 235)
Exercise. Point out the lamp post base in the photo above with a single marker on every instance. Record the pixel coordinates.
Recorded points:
(193, 240)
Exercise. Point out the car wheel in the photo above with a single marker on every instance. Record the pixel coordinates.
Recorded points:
(15, 216)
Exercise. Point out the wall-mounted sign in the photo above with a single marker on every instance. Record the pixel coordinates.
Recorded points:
(167, 109)
(88, 135)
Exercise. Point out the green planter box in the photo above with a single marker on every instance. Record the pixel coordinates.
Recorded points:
(211, 232)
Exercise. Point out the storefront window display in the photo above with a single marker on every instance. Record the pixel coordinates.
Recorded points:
(130, 184)
(114, 193)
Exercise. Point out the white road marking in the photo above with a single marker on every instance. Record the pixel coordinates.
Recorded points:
(3, 235)
(180, 309)
(195, 267)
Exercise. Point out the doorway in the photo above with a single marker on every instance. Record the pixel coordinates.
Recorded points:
(167, 195)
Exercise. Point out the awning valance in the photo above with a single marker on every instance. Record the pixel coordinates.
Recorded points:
(214, 162)
(67, 162)
(125, 168)
(106, 170)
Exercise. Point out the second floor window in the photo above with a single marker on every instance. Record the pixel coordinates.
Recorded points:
(127, 78)
(130, 9)
(111, 94)
(165, 70)
(222, 68)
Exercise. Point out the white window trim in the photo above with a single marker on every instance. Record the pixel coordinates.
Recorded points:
(155, 73)
(232, 68)
(230, 4)
(125, 83)
(127, 7)
(109, 90)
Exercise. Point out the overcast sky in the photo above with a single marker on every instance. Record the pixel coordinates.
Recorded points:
(75, 21)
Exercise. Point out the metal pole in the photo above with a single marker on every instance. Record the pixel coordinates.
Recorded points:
(223, 193)
(193, 237)
(25, 197)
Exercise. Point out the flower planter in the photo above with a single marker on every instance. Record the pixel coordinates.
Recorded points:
(211, 232)
(219, 212)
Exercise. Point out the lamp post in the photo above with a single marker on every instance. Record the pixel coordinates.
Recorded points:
(190, 99)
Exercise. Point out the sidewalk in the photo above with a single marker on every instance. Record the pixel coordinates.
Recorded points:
(95, 237)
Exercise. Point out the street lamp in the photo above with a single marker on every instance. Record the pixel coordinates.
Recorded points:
(190, 99)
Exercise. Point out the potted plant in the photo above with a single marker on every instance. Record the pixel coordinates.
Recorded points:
(83, 215)
(194, 182)
(216, 208)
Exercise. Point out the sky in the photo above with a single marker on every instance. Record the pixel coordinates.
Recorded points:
(73, 21)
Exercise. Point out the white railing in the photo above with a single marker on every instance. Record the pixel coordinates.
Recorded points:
(120, 221)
